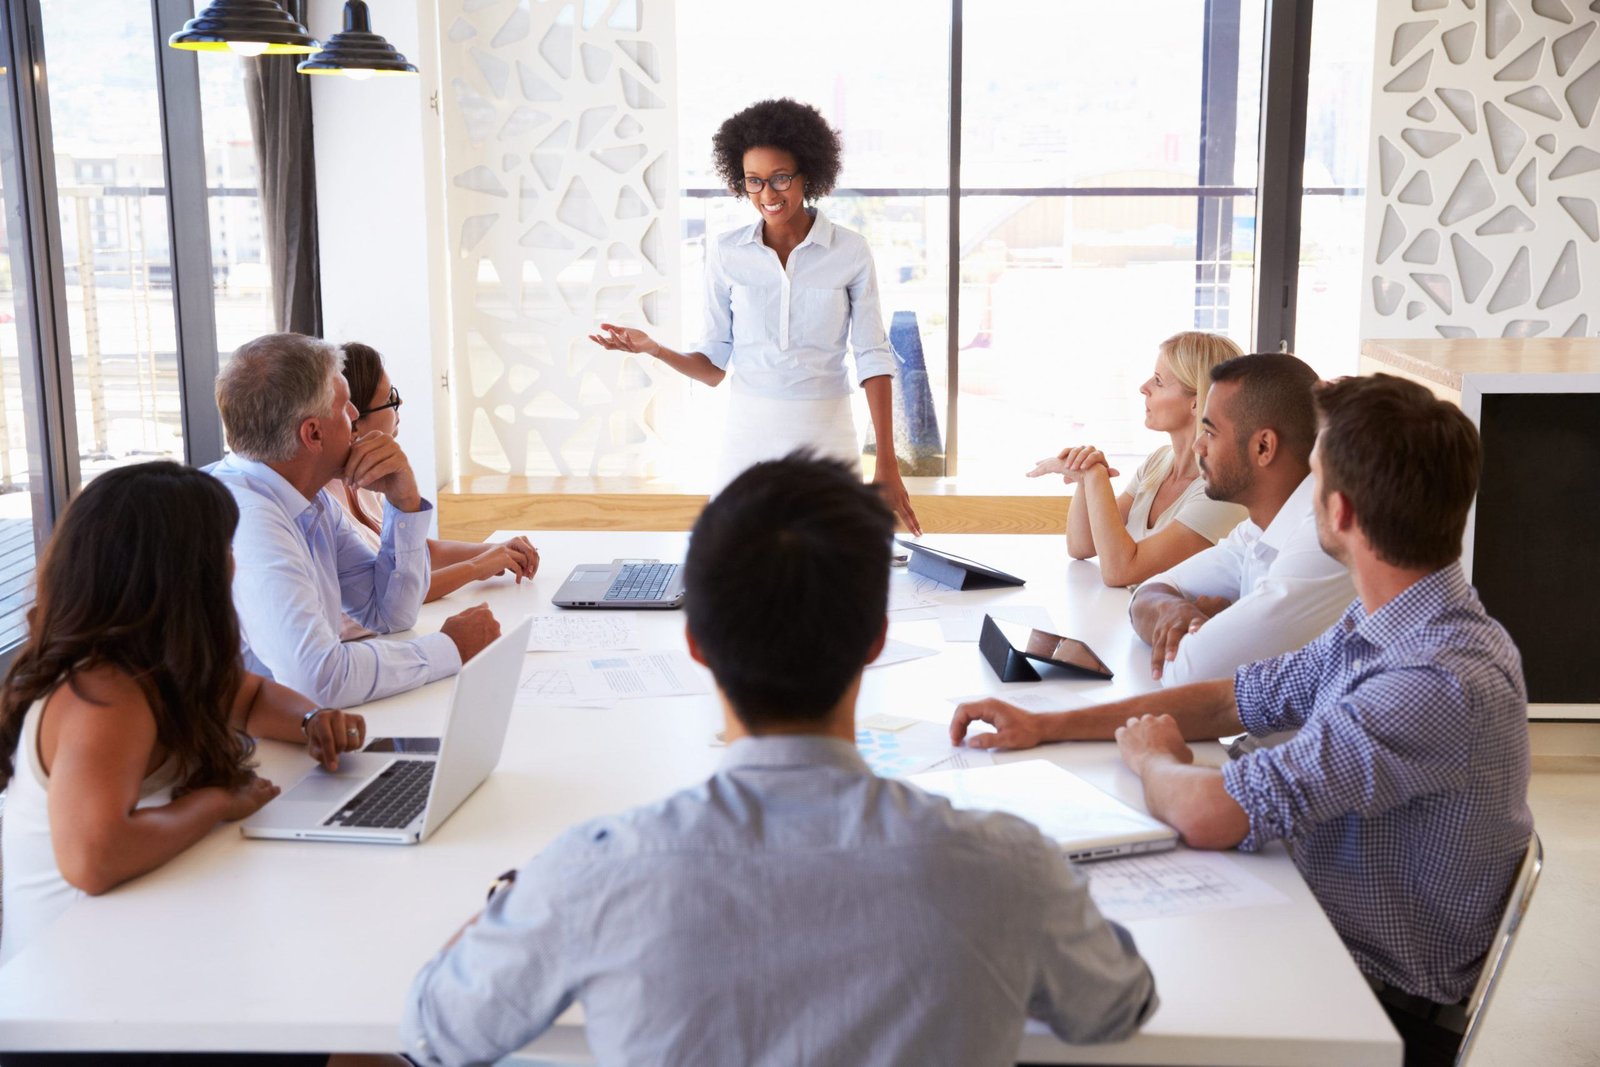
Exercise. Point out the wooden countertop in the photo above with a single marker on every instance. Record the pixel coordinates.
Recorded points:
(1445, 360)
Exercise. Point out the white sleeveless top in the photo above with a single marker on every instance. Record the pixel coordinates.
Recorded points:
(34, 892)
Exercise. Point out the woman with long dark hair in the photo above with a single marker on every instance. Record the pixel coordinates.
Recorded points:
(126, 718)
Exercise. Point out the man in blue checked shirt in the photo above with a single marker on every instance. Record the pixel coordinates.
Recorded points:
(793, 908)
(1403, 797)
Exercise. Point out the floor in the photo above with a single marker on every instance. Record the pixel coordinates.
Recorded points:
(16, 578)
(1547, 1009)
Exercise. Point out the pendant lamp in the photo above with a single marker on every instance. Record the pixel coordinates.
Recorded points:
(357, 52)
(245, 27)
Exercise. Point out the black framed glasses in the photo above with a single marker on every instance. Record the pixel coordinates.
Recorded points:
(394, 402)
(780, 182)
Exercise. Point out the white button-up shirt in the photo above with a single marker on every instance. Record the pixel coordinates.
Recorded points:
(1285, 589)
(299, 562)
(783, 329)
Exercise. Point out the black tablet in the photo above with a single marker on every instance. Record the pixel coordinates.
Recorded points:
(1046, 647)
(947, 568)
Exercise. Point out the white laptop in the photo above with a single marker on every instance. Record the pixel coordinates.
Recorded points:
(1088, 823)
(398, 790)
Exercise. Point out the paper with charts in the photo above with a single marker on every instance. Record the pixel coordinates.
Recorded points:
(604, 678)
(581, 631)
(1183, 882)
(915, 593)
(895, 747)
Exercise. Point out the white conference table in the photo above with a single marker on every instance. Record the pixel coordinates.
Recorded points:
(291, 946)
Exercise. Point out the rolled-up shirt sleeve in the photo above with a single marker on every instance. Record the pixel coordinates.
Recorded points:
(1092, 984)
(503, 983)
(384, 590)
(716, 343)
(870, 344)
(1365, 756)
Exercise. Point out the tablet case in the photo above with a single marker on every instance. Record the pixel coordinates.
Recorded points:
(1008, 664)
(953, 572)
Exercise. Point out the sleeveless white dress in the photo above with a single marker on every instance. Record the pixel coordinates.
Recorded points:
(35, 892)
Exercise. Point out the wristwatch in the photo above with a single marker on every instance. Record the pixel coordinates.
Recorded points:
(503, 882)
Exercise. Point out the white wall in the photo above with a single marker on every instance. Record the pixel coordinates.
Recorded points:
(377, 191)
(1483, 199)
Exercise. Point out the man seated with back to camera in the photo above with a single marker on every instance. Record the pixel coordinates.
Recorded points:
(794, 907)
(1268, 586)
(300, 561)
(1404, 793)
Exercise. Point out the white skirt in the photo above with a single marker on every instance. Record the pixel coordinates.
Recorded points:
(761, 428)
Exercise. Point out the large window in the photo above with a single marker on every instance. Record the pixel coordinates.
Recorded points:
(1108, 162)
(131, 253)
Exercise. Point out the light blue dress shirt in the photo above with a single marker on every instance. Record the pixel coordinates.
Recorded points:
(1405, 794)
(783, 330)
(299, 562)
(794, 909)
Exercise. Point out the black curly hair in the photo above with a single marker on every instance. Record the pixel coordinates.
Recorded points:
(796, 128)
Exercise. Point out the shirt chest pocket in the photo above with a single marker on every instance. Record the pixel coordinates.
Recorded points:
(819, 316)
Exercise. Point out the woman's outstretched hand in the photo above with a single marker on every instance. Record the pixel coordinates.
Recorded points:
(624, 339)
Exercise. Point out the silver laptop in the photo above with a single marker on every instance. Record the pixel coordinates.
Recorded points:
(622, 583)
(1088, 823)
(398, 790)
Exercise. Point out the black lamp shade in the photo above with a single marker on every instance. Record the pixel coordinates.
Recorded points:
(247, 27)
(357, 52)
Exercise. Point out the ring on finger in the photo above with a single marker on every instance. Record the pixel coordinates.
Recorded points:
(351, 731)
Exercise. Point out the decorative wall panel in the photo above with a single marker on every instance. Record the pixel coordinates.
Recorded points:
(562, 212)
(1484, 218)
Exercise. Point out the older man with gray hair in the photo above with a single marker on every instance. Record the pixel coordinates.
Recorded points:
(298, 561)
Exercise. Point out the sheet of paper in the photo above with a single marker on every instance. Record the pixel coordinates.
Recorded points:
(640, 674)
(922, 614)
(1181, 882)
(884, 721)
(920, 747)
(548, 683)
(908, 591)
(900, 652)
(966, 624)
(580, 631)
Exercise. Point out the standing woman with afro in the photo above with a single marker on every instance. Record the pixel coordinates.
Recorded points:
(785, 296)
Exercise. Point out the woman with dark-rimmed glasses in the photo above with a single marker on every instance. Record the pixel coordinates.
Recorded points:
(786, 296)
(455, 563)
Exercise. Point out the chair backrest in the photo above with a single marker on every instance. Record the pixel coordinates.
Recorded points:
(1494, 961)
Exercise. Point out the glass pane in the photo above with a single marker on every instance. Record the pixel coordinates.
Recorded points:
(1133, 215)
(106, 124)
(241, 280)
(885, 88)
(1333, 211)
(1063, 302)
(21, 470)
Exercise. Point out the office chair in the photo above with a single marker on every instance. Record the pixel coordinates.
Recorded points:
(1494, 961)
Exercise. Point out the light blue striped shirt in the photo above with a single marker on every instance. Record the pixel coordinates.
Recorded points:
(794, 909)
(783, 330)
(299, 562)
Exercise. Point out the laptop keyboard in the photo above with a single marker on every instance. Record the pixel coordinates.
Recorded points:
(390, 801)
(641, 581)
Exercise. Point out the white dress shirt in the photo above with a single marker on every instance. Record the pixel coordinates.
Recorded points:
(783, 330)
(1285, 589)
(298, 563)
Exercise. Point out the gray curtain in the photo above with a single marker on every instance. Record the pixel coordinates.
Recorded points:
(279, 102)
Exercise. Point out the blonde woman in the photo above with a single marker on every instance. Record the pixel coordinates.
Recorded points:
(1166, 516)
